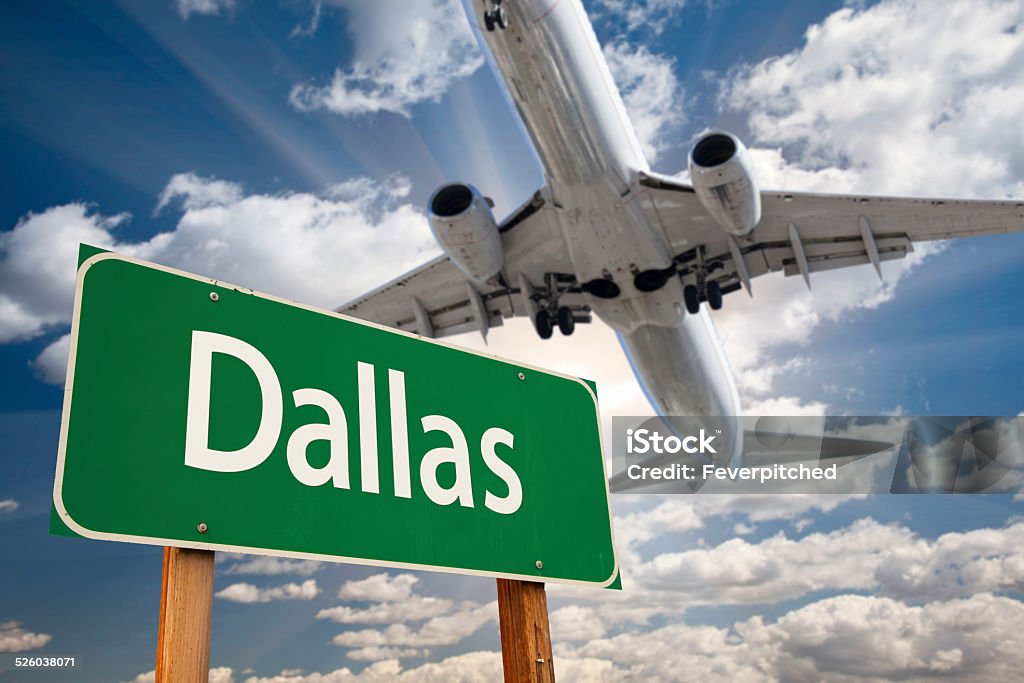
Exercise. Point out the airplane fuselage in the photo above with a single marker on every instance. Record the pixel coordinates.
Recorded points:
(555, 72)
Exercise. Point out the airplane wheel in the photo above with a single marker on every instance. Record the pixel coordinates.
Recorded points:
(501, 18)
(566, 323)
(714, 296)
(692, 299)
(489, 20)
(542, 321)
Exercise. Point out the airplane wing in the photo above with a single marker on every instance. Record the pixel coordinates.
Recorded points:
(438, 300)
(802, 233)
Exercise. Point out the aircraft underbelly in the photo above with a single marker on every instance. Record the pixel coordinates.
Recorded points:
(682, 369)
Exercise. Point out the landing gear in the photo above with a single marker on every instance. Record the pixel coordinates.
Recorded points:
(714, 295)
(705, 288)
(542, 321)
(566, 321)
(496, 17)
(546, 303)
(693, 298)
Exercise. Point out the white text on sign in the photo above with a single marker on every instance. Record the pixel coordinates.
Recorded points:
(198, 453)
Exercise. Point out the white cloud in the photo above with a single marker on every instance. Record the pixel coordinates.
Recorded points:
(397, 64)
(248, 593)
(292, 245)
(650, 91)
(575, 622)
(741, 529)
(13, 638)
(196, 192)
(374, 654)
(631, 15)
(681, 514)
(867, 556)
(51, 365)
(843, 639)
(8, 505)
(37, 266)
(206, 7)
(448, 629)
(777, 568)
(220, 674)
(412, 608)
(905, 99)
(471, 667)
(379, 588)
(272, 566)
(956, 564)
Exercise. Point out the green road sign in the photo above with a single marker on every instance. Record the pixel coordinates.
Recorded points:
(203, 415)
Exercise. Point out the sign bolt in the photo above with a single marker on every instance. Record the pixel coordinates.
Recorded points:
(522, 376)
(540, 565)
(201, 528)
(214, 296)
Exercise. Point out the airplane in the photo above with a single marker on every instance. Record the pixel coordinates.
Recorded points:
(646, 253)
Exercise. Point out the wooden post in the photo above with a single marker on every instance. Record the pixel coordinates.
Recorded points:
(525, 636)
(186, 599)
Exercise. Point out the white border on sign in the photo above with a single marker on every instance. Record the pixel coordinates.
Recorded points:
(148, 540)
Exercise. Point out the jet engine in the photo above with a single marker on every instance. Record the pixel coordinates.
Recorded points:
(463, 224)
(721, 176)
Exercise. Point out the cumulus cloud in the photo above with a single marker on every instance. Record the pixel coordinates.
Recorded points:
(248, 593)
(928, 104)
(207, 7)
(294, 245)
(374, 654)
(672, 515)
(846, 638)
(272, 566)
(867, 556)
(397, 64)
(13, 638)
(575, 622)
(51, 365)
(472, 667)
(651, 92)
(379, 588)
(220, 674)
(777, 568)
(449, 629)
(37, 266)
(412, 608)
(8, 505)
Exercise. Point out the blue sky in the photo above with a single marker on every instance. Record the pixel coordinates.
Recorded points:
(216, 135)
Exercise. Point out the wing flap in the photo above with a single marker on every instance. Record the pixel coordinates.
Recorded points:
(833, 231)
